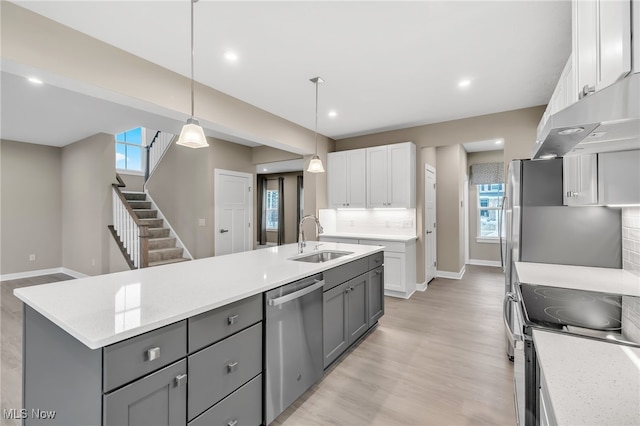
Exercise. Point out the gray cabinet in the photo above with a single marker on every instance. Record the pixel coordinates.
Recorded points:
(375, 296)
(357, 307)
(157, 399)
(334, 322)
(241, 408)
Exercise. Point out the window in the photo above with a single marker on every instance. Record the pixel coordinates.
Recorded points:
(489, 205)
(272, 210)
(129, 146)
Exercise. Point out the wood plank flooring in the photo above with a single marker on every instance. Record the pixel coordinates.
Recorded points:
(436, 359)
(11, 341)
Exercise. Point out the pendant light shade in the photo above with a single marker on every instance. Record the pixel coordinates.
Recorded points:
(192, 134)
(315, 165)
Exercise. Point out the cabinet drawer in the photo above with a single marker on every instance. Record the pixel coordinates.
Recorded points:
(241, 408)
(220, 369)
(215, 325)
(376, 260)
(342, 273)
(396, 246)
(127, 360)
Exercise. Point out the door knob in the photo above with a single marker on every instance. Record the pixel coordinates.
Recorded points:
(222, 231)
(429, 232)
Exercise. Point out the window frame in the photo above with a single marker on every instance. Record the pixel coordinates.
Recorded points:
(479, 209)
(268, 209)
(141, 146)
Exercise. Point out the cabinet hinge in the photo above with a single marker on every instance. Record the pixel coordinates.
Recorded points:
(435, 263)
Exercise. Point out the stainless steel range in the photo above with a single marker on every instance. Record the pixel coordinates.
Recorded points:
(587, 314)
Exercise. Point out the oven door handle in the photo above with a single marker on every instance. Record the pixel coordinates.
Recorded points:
(296, 294)
(509, 298)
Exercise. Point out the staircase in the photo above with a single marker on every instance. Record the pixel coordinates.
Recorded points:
(162, 247)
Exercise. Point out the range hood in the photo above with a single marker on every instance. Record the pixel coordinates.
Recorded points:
(608, 120)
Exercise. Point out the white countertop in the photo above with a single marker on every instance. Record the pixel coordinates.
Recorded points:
(606, 280)
(402, 238)
(590, 382)
(106, 309)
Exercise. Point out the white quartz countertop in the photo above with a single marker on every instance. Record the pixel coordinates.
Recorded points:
(590, 382)
(382, 237)
(105, 309)
(605, 280)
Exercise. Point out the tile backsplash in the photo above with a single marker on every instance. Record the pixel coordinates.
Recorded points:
(631, 263)
(631, 239)
(370, 221)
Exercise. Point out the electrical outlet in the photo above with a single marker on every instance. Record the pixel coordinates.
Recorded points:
(32, 258)
(93, 262)
(201, 222)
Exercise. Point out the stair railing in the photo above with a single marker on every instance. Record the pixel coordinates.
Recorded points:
(131, 232)
(156, 150)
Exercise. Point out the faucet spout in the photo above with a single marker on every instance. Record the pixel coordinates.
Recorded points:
(301, 241)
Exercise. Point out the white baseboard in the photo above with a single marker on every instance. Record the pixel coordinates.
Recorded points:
(451, 275)
(39, 272)
(421, 286)
(480, 262)
(398, 294)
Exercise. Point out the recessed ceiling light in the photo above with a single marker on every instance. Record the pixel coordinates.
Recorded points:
(464, 83)
(231, 56)
(34, 80)
(264, 170)
(571, 131)
(333, 114)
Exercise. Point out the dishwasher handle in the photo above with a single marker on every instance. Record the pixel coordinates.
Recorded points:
(296, 294)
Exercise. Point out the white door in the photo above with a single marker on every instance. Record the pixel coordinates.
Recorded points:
(430, 222)
(233, 211)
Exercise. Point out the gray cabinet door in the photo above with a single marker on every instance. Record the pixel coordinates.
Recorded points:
(357, 307)
(335, 337)
(375, 296)
(157, 399)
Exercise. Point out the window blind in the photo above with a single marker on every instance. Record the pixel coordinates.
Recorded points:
(487, 173)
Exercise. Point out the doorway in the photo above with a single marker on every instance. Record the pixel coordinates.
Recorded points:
(430, 250)
(233, 211)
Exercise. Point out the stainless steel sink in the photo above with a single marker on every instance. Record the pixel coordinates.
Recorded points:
(320, 256)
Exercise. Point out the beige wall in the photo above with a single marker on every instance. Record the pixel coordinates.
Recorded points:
(183, 188)
(30, 210)
(88, 170)
(290, 205)
(517, 128)
(133, 182)
(266, 154)
(480, 251)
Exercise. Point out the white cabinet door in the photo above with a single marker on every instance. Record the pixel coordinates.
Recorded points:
(356, 178)
(394, 271)
(377, 177)
(585, 41)
(337, 179)
(580, 180)
(635, 10)
(619, 177)
(614, 41)
(402, 176)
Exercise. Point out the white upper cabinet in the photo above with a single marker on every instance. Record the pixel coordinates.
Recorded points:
(346, 173)
(391, 176)
(635, 10)
(601, 43)
(580, 180)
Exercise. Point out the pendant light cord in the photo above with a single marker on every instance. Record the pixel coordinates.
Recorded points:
(192, 2)
(316, 135)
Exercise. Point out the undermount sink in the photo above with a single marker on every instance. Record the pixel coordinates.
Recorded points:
(320, 256)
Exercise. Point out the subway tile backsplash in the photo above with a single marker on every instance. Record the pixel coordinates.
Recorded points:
(360, 221)
(631, 239)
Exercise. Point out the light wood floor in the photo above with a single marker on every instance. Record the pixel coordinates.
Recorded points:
(436, 359)
(11, 341)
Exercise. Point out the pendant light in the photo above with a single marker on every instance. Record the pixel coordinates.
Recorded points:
(315, 165)
(192, 134)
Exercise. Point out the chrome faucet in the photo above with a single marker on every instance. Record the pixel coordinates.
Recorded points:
(301, 241)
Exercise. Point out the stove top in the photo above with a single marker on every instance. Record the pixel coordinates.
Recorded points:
(580, 312)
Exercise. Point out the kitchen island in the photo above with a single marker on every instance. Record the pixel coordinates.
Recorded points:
(94, 347)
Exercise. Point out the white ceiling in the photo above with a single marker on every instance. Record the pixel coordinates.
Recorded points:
(387, 65)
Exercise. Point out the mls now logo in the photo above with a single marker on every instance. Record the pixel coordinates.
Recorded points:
(21, 414)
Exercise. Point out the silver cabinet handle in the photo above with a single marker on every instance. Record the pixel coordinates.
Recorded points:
(181, 380)
(232, 319)
(222, 231)
(232, 366)
(153, 353)
(587, 90)
(378, 272)
(233, 422)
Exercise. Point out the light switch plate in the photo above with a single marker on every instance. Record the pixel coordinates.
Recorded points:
(201, 222)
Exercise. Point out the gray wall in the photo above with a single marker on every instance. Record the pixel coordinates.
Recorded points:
(518, 130)
(30, 210)
(480, 251)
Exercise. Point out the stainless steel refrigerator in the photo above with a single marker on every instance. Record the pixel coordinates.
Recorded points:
(540, 229)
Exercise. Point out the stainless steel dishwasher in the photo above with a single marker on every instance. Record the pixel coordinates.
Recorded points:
(293, 342)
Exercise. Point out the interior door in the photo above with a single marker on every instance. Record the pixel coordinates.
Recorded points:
(234, 212)
(430, 223)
